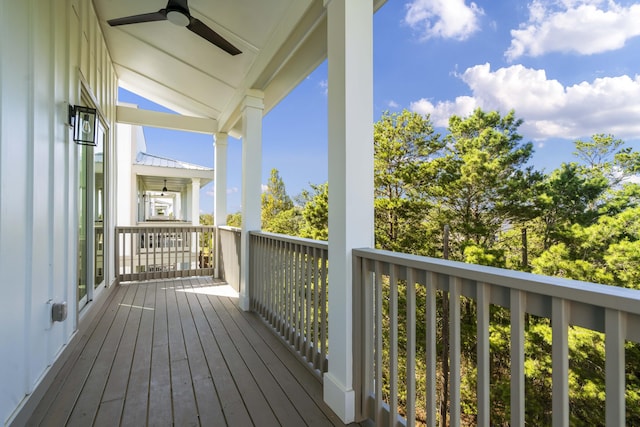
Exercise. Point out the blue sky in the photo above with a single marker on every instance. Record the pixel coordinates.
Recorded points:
(569, 69)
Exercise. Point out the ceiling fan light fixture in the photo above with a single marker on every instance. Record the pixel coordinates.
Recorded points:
(178, 18)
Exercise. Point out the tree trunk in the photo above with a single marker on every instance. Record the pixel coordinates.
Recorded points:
(525, 250)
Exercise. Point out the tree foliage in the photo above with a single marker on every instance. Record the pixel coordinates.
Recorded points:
(406, 159)
(315, 212)
(579, 221)
(485, 183)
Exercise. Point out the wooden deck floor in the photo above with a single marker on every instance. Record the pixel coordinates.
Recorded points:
(173, 352)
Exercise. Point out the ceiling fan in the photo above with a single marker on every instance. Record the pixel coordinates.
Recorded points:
(177, 12)
(165, 190)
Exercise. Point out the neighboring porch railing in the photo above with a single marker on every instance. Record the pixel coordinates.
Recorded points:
(158, 252)
(384, 280)
(289, 291)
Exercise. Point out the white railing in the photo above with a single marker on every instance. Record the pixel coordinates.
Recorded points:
(157, 252)
(383, 278)
(289, 291)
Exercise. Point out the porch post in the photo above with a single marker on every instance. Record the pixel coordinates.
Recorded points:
(220, 143)
(195, 201)
(350, 117)
(251, 183)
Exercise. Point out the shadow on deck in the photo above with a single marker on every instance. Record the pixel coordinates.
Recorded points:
(180, 352)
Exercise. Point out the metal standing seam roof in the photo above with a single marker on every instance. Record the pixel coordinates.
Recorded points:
(146, 159)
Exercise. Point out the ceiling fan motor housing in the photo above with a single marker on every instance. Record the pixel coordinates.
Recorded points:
(178, 17)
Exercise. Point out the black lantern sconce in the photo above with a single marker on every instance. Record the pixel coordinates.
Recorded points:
(83, 120)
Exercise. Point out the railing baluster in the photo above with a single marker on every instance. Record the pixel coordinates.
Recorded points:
(307, 295)
(316, 285)
(117, 254)
(411, 348)
(430, 347)
(455, 287)
(323, 308)
(132, 248)
(259, 279)
(517, 302)
(299, 301)
(273, 300)
(560, 362)
(290, 260)
(484, 372)
(147, 246)
(378, 340)
(170, 255)
(393, 344)
(368, 338)
(615, 367)
(183, 239)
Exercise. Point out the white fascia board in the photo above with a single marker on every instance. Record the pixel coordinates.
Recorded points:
(173, 172)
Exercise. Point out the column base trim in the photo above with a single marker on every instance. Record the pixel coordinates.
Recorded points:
(340, 400)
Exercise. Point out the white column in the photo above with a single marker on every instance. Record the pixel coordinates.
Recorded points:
(185, 196)
(178, 206)
(220, 144)
(195, 201)
(220, 181)
(350, 61)
(251, 182)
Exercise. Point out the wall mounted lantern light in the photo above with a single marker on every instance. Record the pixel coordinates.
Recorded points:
(83, 120)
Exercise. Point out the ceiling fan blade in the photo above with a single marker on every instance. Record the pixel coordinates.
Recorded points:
(208, 34)
(160, 15)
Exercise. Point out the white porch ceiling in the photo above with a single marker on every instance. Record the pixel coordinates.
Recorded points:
(281, 41)
(175, 68)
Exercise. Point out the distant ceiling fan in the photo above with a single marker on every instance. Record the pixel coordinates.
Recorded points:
(165, 190)
(177, 12)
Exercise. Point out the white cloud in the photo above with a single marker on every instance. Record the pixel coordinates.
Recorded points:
(393, 104)
(324, 85)
(584, 27)
(232, 190)
(265, 188)
(440, 113)
(449, 19)
(549, 109)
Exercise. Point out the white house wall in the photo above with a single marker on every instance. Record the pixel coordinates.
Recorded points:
(46, 49)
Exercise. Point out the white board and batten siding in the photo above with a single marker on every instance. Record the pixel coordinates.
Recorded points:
(47, 47)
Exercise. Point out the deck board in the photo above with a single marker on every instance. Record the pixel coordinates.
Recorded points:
(56, 405)
(284, 370)
(86, 407)
(137, 396)
(254, 400)
(228, 397)
(166, 353)
(277, 399)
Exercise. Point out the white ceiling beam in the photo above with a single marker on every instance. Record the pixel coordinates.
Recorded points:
(136, 116)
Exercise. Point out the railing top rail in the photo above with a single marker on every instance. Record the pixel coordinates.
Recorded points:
(291, 239)
(163, 226)
(229, 228)
(605, 296)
